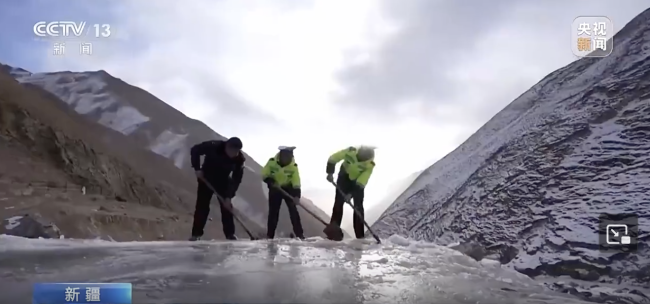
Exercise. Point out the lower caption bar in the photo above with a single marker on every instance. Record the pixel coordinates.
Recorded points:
(82, 293)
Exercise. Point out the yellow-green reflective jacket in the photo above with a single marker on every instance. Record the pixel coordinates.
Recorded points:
(283, 176)
(356, 170)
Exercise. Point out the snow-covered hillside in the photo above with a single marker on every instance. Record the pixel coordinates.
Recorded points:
(538, 174)
(88, 94)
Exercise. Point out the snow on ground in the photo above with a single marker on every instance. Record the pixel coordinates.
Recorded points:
(86, 93)
(280, 271)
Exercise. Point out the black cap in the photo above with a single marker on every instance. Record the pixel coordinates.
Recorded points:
(235, 142)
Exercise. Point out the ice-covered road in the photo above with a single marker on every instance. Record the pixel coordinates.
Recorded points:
(283, 271)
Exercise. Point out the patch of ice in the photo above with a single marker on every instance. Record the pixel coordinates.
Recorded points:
(490, 263)
(399, 240)
(420, 246)
(280, 259)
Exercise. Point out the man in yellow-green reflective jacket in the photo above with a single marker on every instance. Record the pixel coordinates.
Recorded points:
(282, 171)
(353, 177)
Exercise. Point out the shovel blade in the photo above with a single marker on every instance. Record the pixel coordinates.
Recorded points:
(333, 233)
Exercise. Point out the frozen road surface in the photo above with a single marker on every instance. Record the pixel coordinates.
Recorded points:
(281, 271)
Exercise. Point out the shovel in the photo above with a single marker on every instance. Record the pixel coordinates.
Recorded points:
(332, 232)
(221, 201)
(357, 212)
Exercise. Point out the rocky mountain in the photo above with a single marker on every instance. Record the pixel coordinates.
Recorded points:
(531, 183)
(145, 134)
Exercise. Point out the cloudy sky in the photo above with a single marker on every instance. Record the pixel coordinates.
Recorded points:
(414, 78)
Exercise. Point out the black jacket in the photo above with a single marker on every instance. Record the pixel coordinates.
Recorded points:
(217, 166)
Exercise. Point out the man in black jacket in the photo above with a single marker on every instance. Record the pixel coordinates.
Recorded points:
(222, 158)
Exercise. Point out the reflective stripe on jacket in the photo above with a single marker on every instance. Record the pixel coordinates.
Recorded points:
(356, 170)
(282, 176)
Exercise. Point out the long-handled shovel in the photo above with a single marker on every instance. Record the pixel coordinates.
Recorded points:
(356, 211)
(221, 201)
(332, 232)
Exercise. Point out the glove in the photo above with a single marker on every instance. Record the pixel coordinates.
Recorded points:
(269, 181)
(330, 178)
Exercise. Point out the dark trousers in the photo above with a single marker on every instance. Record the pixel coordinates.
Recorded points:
(275, 202)
(202, 210)
(350, 188)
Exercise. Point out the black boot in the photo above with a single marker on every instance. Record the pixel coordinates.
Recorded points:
(195, 238)
(231, 237)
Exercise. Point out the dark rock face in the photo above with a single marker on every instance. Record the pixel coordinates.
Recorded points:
(601, 293)
(537, 176)
(502, 253)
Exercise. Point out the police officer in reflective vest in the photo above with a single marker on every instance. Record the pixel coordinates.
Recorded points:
(353, 177)
(282, 171)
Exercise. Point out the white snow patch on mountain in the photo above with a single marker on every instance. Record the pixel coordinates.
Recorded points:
(124, 120)
(87, 104)
(19, 73)
(85, 92)
(172, 146)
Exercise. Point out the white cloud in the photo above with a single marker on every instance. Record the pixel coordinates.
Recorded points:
(266, 71)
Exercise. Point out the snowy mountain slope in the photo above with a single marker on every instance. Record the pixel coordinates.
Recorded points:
(57, 168)
(153, 125)
(97, 96)
(539, 173)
